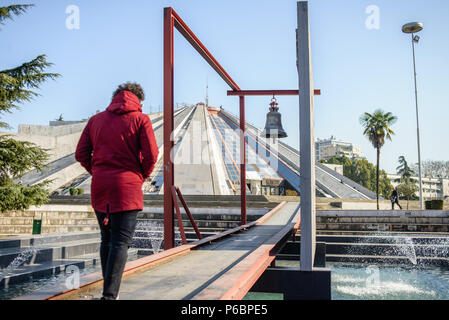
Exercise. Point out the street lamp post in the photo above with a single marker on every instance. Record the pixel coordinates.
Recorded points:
(412, 28)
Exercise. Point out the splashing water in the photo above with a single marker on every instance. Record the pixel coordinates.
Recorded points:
(349, 282)
(154, 231)
(390, 289)
(432, 247)
(22, 258)
(406, 246)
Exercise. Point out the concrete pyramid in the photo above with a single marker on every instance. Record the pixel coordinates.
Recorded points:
(206, 157)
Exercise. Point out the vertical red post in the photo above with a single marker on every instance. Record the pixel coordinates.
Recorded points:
(169, 231)
(242, 161)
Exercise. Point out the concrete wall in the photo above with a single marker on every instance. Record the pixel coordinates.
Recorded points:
(55, 219)
(373, 220)
(385, 213)
(62, 218)
(59, 145)
(346, 205)
(64, 123)
(53, 131)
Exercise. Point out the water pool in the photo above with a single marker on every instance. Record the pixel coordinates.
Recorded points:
(379, 282)
(349, 282)
(352, 281)
(28, 287)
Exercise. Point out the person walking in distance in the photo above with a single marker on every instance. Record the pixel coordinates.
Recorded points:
(118, 148)
(395, 199)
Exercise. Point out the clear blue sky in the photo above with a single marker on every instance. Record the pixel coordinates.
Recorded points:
(356, 68)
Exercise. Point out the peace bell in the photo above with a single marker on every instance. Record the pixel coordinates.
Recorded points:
(273, 125)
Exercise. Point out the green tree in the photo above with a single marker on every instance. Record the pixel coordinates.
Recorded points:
(407, 188)
(404, 170)
(377, 129)
(18, 157)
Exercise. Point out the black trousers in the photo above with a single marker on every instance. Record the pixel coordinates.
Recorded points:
(396, 201)
(116, 238)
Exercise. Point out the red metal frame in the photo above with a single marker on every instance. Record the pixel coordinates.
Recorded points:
(172, 20)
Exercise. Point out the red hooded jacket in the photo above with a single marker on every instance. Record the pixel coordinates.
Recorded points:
(119, 150)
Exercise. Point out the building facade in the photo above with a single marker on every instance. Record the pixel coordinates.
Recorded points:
(433, 188)
(328, 148)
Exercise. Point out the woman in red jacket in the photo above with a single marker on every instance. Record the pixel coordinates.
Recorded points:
(119, 150)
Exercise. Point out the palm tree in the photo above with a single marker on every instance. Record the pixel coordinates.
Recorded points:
(404, 170)
(377, 128)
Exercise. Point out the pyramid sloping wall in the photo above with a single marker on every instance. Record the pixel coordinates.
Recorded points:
(206, 157)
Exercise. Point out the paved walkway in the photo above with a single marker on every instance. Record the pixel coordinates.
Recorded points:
(209, 271)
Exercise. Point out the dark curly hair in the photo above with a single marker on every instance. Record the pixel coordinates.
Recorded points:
(131, 87)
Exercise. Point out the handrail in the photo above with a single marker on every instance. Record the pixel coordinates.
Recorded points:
(175, 191)
(178, 215)
(187, 210)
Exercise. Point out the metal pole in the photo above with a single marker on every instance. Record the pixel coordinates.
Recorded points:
(242, 161)
(421, 200)
(169, 227)
(307, 140)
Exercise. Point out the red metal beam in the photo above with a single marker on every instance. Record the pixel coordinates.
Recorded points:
(186, 208)
(267, 92)
(169, 226)
(182, 27)
(178, 215)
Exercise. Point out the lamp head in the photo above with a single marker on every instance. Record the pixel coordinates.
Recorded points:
(412, 27)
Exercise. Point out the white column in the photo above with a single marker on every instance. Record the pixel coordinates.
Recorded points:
(307, 138)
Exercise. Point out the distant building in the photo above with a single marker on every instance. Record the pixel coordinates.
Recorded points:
(328, 148)
(433, 188)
